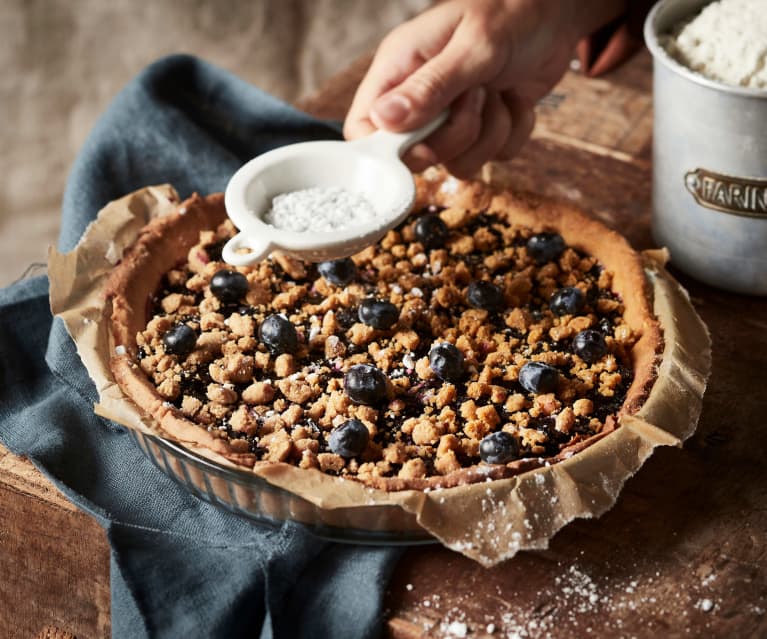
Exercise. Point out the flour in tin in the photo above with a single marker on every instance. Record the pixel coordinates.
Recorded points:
(726, 41)
(319, 209)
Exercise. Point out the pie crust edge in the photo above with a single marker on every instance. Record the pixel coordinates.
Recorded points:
(138, 276)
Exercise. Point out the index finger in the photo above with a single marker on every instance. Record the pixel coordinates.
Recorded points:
(388, 69)
(405, 50)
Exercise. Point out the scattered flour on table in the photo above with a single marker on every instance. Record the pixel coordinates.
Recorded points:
(726, 41)
(456, 629)
(319, 209)
(706, 605)
(572, 599)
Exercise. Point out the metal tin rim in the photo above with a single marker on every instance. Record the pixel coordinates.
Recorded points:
(660, 55)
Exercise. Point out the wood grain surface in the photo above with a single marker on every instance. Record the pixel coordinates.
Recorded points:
(682, 554)
(54, 560)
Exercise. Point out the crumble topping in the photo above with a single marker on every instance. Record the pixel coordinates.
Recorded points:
(458, 339)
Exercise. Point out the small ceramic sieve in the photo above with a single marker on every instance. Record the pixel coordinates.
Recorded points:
(370, 167)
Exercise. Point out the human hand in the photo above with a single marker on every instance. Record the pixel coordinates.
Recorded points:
(490, 61)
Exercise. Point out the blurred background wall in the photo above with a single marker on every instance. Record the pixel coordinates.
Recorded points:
(64, 60)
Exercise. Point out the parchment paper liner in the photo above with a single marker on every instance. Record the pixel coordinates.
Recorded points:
(488, 522)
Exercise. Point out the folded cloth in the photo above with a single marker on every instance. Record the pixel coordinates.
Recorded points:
(179, 566)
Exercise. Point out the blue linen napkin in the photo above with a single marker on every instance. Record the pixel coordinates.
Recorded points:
(179, 566)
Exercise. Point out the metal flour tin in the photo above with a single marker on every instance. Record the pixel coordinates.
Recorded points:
(709, 166)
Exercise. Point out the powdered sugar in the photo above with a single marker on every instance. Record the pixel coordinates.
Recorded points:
(576, 598)
(319, 209)
(456, 629)
(113, 254)
(706, 605)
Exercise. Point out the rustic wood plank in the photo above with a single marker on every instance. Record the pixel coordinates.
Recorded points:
(54, 569)
(20, 475)
(637, 73)
(50, 632)
(618, 193)
(607, 116)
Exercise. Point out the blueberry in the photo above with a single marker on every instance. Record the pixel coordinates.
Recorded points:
(229, 286)
(338, 272)
(485, 295)
(365, 384)
(346, 318)
(446, 362)
(498, 448)
(378, 313)
(567, 301)
(537, 377)
(545, 247)
(431, 231)
(179, 340)
(278, 334)
(590, 345)
(349, 439)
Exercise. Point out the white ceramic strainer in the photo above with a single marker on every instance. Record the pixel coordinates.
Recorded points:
(370, 167)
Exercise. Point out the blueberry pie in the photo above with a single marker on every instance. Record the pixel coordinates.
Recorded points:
(489, 334)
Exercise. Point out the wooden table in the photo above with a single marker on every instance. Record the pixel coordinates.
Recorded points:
(682, 554)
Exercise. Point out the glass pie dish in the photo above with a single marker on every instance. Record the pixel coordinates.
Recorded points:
(254, 498)
(488, 520)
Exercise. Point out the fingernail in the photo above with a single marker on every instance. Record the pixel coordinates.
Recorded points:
(391, 109)
(478, 100)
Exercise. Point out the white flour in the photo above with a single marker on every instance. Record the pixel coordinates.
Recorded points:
(727, 41)
(319, 209)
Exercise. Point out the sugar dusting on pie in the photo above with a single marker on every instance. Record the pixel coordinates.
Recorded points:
(488, 335)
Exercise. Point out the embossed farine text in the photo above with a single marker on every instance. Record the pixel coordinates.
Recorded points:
(735, 195)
